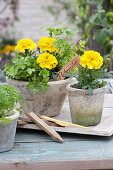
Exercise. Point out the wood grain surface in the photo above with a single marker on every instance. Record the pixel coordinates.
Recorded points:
(49, 130)
(65, 165)
(68, 67)
(104, 128)
(35, 150)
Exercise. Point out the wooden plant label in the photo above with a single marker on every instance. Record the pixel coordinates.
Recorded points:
(49, 130)
(68, 67)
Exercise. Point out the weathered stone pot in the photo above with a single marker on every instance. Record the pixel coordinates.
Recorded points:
(7, 132)
(85, 109)
(49, 103)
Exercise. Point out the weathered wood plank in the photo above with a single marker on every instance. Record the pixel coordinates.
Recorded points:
(36, 150)
(104, 128)
(76, 150)
(32, 136)
(45, 127)
(65, 165)
(108, 100)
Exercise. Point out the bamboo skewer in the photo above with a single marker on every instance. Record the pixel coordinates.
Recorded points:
(62, 122)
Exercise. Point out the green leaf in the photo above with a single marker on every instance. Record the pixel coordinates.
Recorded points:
(5, 121)
(53, 76)
(82, 43)
(34, 90)
(43, 87)
(90, 90)
(30, 70)
(100, 2)
(88, 29)
(17, 18)
(92, 2)
(110, 32)
(101, 37)
(59, 23)
(109, 14)
(105, 22)
(92, 18)
(8, 99)
(106, 56)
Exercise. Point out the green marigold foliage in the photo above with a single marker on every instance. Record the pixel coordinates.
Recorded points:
(25, 67)
(88, 79)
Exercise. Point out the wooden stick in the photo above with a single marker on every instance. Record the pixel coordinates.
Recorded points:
(20, 122)
(24, 118)
(45, 127)
(64, 123)
(68, 67)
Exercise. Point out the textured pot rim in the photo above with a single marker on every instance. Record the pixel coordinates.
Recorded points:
(49, 83)
(14, 116)
(98, 90)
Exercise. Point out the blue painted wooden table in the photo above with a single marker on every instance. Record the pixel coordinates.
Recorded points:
(36, 150)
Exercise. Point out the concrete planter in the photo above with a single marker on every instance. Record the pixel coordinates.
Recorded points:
(7, 132)
(85, 109)
(49, 103)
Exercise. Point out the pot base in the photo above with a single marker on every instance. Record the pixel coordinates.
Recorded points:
(91, 120)
(7, 132)
(6, 148)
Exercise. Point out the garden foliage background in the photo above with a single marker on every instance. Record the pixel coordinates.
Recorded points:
(23, 19)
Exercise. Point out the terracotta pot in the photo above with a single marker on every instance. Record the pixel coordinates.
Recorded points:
(7, 132)
(85, 109)
(49, 103)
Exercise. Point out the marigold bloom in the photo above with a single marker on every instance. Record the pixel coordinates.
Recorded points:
(47, 60)
(45, 44)
(25, 44)
(8, 49)
(91, 59)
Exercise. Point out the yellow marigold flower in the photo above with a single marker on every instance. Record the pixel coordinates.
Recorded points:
(47, 60)
(24, 44)
(91, 59)
(45, 44)
(2, 51)
(8, 49)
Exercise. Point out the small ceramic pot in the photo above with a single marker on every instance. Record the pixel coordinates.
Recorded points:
(49, 103)
(7, 132)
(85, 109)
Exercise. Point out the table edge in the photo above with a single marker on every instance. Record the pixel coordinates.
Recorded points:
(61, 165)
